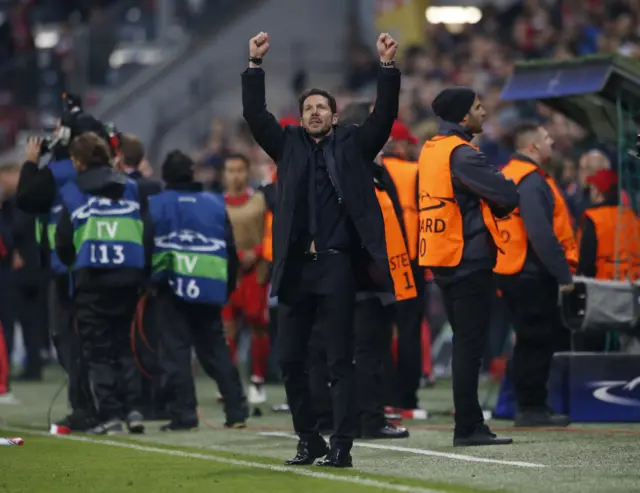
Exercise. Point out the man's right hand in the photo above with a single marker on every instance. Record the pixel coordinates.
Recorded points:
(32, 150)
(258, 46)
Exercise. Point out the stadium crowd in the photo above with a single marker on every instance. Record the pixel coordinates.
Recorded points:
(480, 57)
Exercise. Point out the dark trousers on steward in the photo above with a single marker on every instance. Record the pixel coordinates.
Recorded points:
(28, 303)
(319, 292)
(66, 341)
(104, 325)
(184, 326)
(410, 314)
(533, 304)
(467, 301)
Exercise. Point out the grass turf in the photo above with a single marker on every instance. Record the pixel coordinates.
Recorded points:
(583, 459)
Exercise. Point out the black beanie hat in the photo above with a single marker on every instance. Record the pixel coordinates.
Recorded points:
(453, 103)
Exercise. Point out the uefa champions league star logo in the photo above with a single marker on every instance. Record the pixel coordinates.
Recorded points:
(618, 392)
(189, 241)
(102, 206)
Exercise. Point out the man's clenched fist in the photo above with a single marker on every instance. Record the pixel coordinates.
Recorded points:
(259, 45)
(387, 47)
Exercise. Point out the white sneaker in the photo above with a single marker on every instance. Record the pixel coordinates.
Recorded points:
(8, 398)
(257, 394)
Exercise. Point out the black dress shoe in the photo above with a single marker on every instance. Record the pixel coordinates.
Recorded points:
(387, 431)
(529, 418)
(308, 452)
(78, 420)
(337, 457)
(481, 436)
(179, 426)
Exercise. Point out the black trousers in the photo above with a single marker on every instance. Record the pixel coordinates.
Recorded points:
(373, 327)
(467, 301)
(27, 302)
(409, 367)
(66, 341)
(320, 382)
(319, 293)
(373, 324)
(184, 326)
(104, 325)
(533, 304)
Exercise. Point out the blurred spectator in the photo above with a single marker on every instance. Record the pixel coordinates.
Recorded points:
(64, 53)
(102, 41)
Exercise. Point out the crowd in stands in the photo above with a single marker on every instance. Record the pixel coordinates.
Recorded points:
(481, 56)
(75, 56)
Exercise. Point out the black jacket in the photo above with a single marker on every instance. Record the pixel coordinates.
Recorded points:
(35, 195)
(355, 149)
(23, 230)
(545, 255)
(383, 181)
(473, 180)
(36, 189)
(103, 182)
(589, 242)
(146, 186)
(270, 196)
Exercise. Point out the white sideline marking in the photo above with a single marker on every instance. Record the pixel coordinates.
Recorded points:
(235, 462)
(468, 458)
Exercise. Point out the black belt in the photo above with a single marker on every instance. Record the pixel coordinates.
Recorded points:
(324, 253)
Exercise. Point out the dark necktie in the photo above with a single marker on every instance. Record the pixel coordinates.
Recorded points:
(313, 225)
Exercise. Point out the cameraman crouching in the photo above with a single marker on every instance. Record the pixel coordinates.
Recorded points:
(100, 236)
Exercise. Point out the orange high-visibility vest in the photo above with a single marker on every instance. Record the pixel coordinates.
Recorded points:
(267, 241)
(399, 261)
(618, 236)
(513, 244)
(405, 175)
(441, 239)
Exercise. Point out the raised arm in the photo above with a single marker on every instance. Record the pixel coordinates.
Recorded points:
(375, 131)
(264, 127)
(36, 187)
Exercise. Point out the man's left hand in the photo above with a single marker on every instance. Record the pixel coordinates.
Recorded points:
(387, 47)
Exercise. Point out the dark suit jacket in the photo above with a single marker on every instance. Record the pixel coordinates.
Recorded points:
(351, 169)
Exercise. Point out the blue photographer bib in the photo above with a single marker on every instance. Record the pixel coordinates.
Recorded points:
(107, 234)
(63, 172)
(190, 252)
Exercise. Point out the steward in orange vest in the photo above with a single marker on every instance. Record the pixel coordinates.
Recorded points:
(455, 183)
(609, 233)
(395, 235)
(539, 242)
(269, 192)
(537, 255)
(409, 314)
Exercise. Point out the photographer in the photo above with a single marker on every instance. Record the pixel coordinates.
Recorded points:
(100, 236)
(38, 194)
